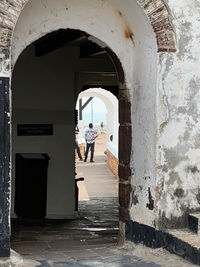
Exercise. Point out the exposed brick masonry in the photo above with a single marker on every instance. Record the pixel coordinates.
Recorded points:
(156, 11)
(159, 17)
(9, 13)
(124, 172)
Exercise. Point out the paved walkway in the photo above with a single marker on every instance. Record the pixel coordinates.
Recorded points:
(92, 239)
(99, 180)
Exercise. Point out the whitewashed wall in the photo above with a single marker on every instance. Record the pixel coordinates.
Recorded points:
(178, 148)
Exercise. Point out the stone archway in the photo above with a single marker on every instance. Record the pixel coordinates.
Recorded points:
(125, 37)
(156, 11)
(111, 104)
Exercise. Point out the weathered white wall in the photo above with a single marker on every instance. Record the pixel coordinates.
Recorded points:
(178, 149)
(126, 30)
(111, 104)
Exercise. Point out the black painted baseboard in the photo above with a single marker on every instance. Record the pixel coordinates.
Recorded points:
(138, 233)
(4, 167)
(4, 246)
(193, 223)
(150, 237)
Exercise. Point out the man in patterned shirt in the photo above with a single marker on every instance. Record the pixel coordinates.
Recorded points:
(90, 136)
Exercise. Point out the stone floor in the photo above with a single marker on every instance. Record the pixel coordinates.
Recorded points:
(69, 239)
(91, 239)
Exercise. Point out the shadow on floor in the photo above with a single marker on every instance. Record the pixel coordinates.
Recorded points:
(96, 227)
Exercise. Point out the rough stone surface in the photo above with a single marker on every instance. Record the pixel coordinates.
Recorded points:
(15, 260)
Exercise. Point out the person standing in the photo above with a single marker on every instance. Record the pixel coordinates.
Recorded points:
(90, 136)
(101, 125)
(77, 145)
(78, 150)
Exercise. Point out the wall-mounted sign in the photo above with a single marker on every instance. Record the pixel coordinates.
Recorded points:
(34, 129)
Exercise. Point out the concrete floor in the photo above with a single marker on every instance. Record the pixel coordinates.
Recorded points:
(92, 239)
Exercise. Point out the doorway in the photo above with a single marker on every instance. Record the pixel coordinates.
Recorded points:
(45, 81)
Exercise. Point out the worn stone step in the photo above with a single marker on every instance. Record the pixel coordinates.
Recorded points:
(184, 243)
(194, 222)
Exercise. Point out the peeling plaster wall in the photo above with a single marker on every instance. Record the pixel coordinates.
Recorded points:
(125, 29)
(144, 137)
(178, 148)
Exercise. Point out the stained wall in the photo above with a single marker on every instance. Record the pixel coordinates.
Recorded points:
(178, 109)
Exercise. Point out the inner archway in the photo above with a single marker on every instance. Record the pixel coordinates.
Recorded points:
(112, 120)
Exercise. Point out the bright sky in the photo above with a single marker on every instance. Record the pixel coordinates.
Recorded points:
(98, 105)
(99, 111)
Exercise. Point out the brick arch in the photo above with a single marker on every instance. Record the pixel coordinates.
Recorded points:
(156, 11)
(160, 19)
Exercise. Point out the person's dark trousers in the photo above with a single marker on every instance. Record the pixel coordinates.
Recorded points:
(91, 147)
(78, 150)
